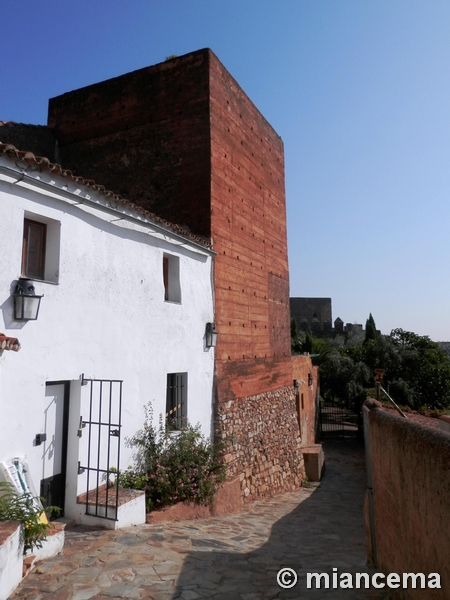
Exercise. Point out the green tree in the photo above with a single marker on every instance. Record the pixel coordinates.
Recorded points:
(421, 376)
(321, 348)
(344, 379)
(296, 344)
(307, 345)
(371, 329)
(416, 369)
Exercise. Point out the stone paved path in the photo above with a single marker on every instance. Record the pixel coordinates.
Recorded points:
(235, 557)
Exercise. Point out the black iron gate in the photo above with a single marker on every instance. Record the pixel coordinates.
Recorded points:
(100, 428)
(340, 420)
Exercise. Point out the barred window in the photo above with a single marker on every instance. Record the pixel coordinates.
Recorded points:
(176, 400)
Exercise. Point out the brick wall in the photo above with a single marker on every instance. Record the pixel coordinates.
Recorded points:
(249, 233)
(144, 135)
(303, 310)
(183, 140)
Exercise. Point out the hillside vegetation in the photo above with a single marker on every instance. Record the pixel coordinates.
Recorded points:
(416, 369)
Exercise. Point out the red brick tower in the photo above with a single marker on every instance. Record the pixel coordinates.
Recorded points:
(183, 140)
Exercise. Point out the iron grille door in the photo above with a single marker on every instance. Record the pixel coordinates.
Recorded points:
(100, 429)
(340, 420)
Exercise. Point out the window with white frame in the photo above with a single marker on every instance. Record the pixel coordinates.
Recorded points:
(40, 248)
(171, 278)
(176, 400)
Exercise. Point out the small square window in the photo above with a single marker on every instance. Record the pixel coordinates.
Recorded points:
(171, 278)
(176, 400)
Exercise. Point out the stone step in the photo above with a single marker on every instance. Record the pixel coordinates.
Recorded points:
(314, 458)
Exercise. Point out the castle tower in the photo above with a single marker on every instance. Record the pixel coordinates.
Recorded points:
(183, 140)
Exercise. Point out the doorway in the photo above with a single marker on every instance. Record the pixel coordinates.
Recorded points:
(54, 454)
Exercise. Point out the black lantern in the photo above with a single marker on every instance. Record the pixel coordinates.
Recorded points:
(211, 335)
(26, 302)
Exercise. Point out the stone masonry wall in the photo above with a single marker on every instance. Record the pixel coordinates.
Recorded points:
(262, 444)
(410, 465)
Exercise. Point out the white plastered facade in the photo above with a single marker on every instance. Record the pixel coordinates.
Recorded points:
(103, 315)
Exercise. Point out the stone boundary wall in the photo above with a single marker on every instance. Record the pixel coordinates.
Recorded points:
(307, 397)
(262, 444)
(410, 466)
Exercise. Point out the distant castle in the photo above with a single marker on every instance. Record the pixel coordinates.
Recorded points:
(315, 314)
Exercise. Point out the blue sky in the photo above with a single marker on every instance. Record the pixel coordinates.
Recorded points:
(359, 91)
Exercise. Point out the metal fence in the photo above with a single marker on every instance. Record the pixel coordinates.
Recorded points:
(339, 421)
(100, 431)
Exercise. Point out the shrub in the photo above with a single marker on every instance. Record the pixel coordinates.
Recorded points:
(181, 466)
(26, 509)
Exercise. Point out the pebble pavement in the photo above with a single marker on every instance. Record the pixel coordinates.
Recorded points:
(233, 557)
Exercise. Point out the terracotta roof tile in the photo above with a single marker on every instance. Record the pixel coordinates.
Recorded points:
(9, 343)
(45, 164)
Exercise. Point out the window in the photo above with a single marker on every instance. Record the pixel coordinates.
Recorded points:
(33, 249)
(166, 277)
(171, 278)
(40, 248)
(176, 400)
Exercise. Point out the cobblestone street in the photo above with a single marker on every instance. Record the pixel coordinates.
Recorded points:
(234, 557)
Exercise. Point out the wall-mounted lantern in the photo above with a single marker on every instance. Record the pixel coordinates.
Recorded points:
(211, 335)
(26, 302)
(310, 379)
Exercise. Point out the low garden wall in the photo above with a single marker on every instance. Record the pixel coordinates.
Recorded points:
(410, 499)
(11, 557)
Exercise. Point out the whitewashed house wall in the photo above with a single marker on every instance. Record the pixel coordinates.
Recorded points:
(103, 314)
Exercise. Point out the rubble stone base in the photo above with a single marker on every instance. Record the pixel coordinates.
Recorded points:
(261, 443)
